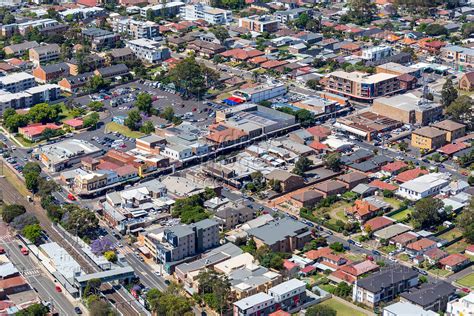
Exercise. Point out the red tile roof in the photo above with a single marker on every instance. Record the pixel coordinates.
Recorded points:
(74, 122)
(379, 223)
(289, 265)
(394, 166)
(421, 244)
(319, 131)
(12, 282)
(325, 252)
(382, 185)
(410, 174)
(318, 146)
(242, 54)
(450, 149)
(273, 64)
(308, 269)
(36, 129)
(453, 260)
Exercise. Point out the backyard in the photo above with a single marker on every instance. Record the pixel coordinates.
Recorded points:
(121, 129)
(457, 247)
(401, 216)
(342, 309)
(395, 203)
(440, 272)
(467, 281)
(335, 211)
(451, 234)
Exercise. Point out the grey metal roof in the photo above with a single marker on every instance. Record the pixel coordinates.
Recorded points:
(429, 293)
(376, 282)
(277, 231)
(205, 224)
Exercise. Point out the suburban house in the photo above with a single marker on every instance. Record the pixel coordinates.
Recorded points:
(288, 181)
(454, 262)
(420, 246)
(427, 185)
(430, 296)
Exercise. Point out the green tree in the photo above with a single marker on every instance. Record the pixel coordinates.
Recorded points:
(465, 221)
(193, 78)
(91, 120)
(92, 287)
(337, 247)
(13, 122)
(170, 302)
(32, 167)
(302, 165)
(44, 113)
(304, 117)
(34, 310)
(168, 114)
(96, 83)
(402, 146)
(133, 120)
(313, 84)
(333, 161)
(220, 33)
(147, 127)
(78, 221)
(448, 93)
(343, 290)
(7, 113)
(23, 220)
(110, 256)
(461, 109)
(32, 232)
(435, 30)
(215, 288)
(9, 212)
(426, 212)
(360, 12)
(144, 102)
(321, 310)
(96, 106)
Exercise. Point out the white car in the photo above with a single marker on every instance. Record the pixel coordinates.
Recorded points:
(358, 244)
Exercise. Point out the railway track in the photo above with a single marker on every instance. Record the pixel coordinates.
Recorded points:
(12, 196)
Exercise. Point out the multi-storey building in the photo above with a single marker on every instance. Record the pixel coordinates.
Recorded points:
(362, 86)
(17, 82)
(101, 39)
(384, 286)
(29, 97)
(44, 53)
(461, 307)
(458, 55)
(22, 28)
(19, 50)
(376, 53)
(428, 138)
(136, 29)
(168, 9)
(149, 51)
(207, 13)
(259, 24)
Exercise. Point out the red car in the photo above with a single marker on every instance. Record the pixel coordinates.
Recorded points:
(2, 251)
(370, 258)
(24, 251)
(71, 197)
(466, 290)
(58, 289)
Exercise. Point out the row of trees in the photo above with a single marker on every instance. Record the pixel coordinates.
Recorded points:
(191, 209)
(457, 107)
(27, 224)
(39, 113)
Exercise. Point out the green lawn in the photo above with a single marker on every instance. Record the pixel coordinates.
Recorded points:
(15, 181)
(388, 249)
(457, 247)
(342, 309)
(402, 215)
(354, 256)
(25, 142)
(451, 234)
(467, 281)
(121, 129)
(66, 113)
(440, 272)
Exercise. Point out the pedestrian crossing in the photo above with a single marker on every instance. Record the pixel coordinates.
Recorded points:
(6, 238)
(125, 250)
(32, 272)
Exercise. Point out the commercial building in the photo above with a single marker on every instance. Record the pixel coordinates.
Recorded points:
(148, 50)
(83, 13)
(17, 82)
(259, 24)
(211, 15)
(428, 138)
(384, 286)
(424, 186)
(64, 154)
(261, 93)
(29, 97)
(283, 235)
(168, 9)
(408, 108)
(361, 86)
(44, 53)
(397, 69)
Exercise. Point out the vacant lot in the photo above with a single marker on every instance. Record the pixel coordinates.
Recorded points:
(457, 247)
(343, 309)
(121, 129)
(467, 281)
(451, 234)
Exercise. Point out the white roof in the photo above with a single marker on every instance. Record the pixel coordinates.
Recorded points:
(426, 182)
(287, 287)
(15, 77)
(362, 77)
(253, 300)
(407, 309)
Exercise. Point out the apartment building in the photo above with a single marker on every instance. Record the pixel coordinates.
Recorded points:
(44, 53)
(428, 138)
(463, 306)
(22, 28)
(148, 51)
(289, 295)
(17, 82)
(136, 29)
(408, 108)
(291, 15)
(376, 53)
(168, 9)
(18, 50)
(258, 304)
(47, 73)
(384, 286)
(283, 235)
(29, 97)
(361, 86)
(211, 15)
(458, 55)
(259, 24)
(100, 39)
(454, 130)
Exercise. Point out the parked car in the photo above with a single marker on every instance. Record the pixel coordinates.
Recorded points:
(58, 289)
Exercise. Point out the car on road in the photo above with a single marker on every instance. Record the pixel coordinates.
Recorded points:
(58, 289)
(24, 251)
(77, 310)
(375, 253)
(466, 290)
(329, 232)
(71, 197)
(2, 250)
(370, 258)
(351, 241)
(358, 244)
